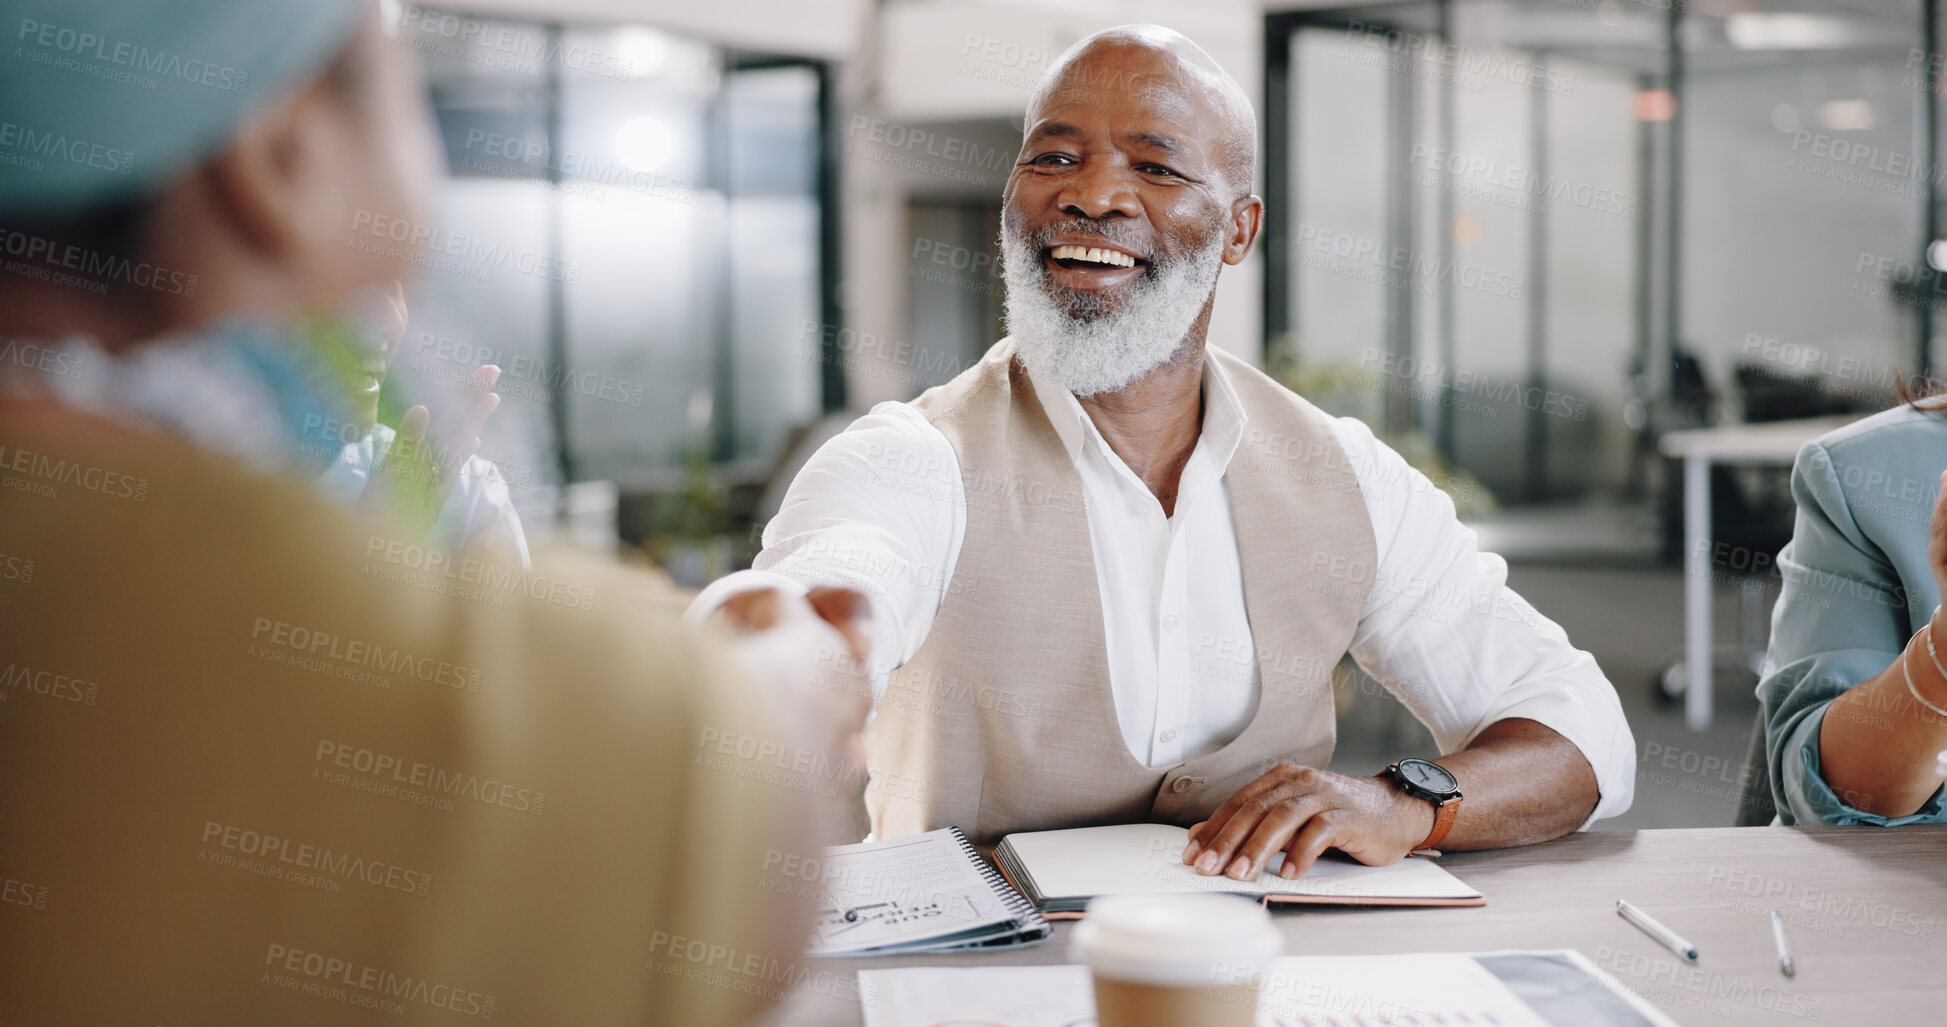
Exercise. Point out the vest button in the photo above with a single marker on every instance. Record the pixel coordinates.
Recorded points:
(1180, 785)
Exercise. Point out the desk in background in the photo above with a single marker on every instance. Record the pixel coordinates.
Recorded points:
(1772, 443)
(1866, 908)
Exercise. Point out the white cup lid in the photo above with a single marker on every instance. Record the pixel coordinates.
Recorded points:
(1176, 940)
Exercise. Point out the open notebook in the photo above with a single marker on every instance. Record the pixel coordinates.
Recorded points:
(923, 893)
(1059, 871)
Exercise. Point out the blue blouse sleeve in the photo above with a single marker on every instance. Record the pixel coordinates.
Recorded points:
(1842, 618)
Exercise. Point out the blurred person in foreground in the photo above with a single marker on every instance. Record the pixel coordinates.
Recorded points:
(1854, 684)
(1111, 569)
(264, 762)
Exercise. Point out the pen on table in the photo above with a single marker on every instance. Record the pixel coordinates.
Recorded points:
(1785, 963)
(1664, 936)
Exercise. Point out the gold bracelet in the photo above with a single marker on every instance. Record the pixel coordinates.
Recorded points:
(1931, 654)
(1913, 689)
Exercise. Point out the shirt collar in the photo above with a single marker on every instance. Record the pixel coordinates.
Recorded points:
(1223, 415)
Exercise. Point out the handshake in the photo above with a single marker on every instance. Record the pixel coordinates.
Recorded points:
(812, 650)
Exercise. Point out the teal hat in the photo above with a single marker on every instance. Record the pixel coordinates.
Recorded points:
(108, 100)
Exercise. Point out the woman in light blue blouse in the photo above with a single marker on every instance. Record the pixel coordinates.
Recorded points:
(1855, 683)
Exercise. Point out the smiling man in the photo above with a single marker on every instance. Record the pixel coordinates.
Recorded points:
(1112, 570)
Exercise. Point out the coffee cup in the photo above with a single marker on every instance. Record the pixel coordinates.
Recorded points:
(1176, 960)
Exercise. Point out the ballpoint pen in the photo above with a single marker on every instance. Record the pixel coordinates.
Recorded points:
(1664, 936)
(1785, 962)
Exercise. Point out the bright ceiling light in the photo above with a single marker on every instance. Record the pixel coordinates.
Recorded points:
(1847, 115)
(1779, 30)
(644, 144)
(644, 51)
(1937, 254)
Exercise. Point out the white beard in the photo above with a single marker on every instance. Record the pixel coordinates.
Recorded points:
(1067, 340)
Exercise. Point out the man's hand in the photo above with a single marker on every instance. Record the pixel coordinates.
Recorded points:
(842, 608)
(1302, 811)
(814, 648)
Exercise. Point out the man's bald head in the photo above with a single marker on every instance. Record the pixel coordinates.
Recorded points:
(1161, 67)
(1131, 193)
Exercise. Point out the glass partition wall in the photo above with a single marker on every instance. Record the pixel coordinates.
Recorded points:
(1522, 237)
(632, 229)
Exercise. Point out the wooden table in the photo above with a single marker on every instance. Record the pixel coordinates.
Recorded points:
(1866, 909)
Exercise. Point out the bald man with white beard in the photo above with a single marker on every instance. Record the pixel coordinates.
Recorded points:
(1111, 570)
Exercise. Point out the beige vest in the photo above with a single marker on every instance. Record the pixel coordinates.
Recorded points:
(1004, 720)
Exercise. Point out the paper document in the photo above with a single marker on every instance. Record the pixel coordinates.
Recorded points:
(993, 996)
(1507, 989)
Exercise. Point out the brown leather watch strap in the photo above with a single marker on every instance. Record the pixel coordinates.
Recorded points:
(1443, 818)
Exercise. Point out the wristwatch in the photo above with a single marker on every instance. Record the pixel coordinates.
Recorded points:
(1424, 779)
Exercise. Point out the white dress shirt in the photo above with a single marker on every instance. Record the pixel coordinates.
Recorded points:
(882, 508)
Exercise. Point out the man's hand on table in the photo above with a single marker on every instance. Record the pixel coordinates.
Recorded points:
(1302, 811)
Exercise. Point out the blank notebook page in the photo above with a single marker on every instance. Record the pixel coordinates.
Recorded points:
(1136, 858)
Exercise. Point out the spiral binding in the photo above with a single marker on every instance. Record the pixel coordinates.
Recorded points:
(1032, 925)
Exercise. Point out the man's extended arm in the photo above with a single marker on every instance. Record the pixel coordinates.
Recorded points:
(879, 509)
(1528, 724)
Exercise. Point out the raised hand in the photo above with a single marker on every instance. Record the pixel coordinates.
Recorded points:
(418, 473)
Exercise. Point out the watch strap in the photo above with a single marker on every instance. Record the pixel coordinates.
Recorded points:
(1443, 818)
(1444, 810)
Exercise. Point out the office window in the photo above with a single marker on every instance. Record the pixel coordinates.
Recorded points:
(1525, 230)
(642, 240)
(1813, 109)
(1457, 219)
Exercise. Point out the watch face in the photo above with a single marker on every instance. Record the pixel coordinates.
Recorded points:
(1431, 777)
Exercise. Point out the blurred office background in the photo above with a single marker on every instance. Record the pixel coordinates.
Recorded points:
(1528, 241)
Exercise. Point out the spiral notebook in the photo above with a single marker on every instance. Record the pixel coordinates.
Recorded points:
(926, 893)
